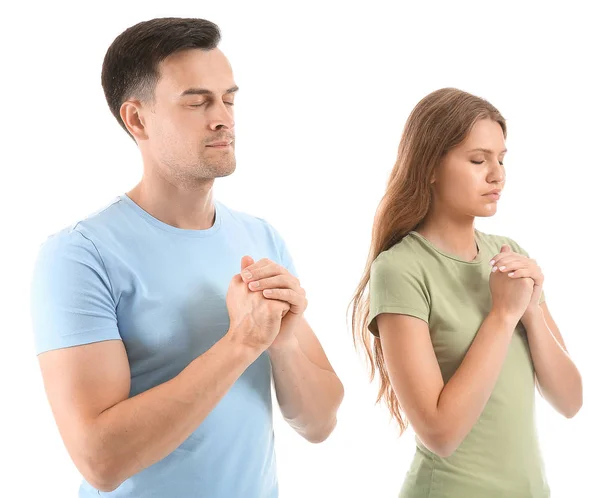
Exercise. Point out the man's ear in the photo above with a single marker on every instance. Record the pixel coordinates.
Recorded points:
(131, 114)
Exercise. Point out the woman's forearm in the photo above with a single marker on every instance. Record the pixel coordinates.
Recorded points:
(558, 378)
(465, 395)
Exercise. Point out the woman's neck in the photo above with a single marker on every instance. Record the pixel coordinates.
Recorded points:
(452, 235)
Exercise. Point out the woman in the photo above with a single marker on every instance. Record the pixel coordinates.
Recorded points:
(454, 320)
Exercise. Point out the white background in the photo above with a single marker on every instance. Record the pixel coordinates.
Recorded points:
(325, 91)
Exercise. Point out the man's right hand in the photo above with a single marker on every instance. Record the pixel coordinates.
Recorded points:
(254, 320)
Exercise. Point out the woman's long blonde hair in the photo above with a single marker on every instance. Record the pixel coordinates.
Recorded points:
(439, 122)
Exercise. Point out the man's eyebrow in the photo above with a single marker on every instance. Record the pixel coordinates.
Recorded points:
(204, 91)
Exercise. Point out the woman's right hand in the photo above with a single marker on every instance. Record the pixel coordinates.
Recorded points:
(510, 296)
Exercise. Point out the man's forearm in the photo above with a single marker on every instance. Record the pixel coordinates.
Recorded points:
(557, 376)
(139, 431)
(308, 395)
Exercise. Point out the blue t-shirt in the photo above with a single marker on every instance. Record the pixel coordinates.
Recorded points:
(123, 274)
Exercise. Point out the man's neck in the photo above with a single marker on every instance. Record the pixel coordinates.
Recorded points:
(190, 208)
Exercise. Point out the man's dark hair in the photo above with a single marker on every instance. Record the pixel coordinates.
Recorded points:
(130, 67)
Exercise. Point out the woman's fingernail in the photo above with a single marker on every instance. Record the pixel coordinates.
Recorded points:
(254, 285)
(502, 268)
(511, 273)
(493, 262)
(494, 268)
(247, 275)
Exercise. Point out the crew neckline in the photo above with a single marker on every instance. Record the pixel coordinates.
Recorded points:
(475, 261)
(207, 232)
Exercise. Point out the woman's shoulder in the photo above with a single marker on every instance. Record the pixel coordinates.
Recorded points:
(402, 256)
(495, 242)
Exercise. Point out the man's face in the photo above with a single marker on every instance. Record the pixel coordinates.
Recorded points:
(190, 125)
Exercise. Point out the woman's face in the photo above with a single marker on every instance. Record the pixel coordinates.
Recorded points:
(471, 176)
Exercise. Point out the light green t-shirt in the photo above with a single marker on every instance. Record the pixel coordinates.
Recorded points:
(500, 457)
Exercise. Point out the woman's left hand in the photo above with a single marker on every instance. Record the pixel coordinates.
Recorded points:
(516, 265)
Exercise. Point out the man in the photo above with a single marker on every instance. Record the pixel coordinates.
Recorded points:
(157, 363)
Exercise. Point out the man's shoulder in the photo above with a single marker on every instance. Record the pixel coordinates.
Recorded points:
(82, 235)
(241, 217)
(103, 216)
(256, 225)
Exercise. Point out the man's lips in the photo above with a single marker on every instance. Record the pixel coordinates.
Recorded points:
(219, 144)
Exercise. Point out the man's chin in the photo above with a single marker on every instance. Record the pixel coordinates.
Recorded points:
(219, 170)
(226, 171)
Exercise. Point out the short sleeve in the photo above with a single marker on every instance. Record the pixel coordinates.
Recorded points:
(71, 299)
(396, 286)
(518, 249)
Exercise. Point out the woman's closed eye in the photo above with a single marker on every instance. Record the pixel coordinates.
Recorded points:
(482, 161)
